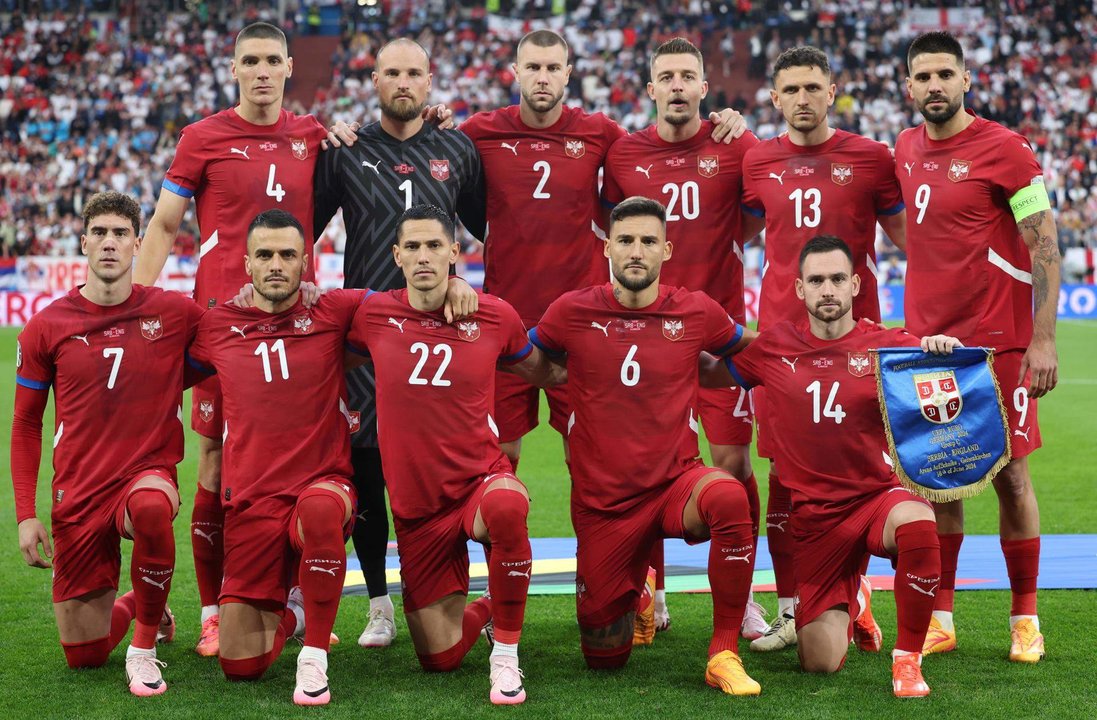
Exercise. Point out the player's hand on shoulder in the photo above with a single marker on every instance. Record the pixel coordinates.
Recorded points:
(940, 344)
(32, 534)
(310, 293)
(461, 300)
(730, 124)
(245, 298)
(1041, 362)
(439, 116)
(341, 134)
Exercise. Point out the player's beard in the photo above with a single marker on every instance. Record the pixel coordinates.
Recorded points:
(679, 118)
(805, 125)
(280, 293)
(633, 284)
(402, 111)
(542, 105)
(940, 117)
(830, 313)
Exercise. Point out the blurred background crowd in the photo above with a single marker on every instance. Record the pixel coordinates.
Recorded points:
(93, 93)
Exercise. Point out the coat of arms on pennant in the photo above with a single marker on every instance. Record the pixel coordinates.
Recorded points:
(152, 328)
(939, 396)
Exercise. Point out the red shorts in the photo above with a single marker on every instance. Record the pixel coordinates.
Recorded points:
(434, 557)
(1024, 428)
(205, 408)
(727, 415)
(87, 554)
(614, 548)
(764, 443)
(517, 404)
(262, 547)
(830, 546)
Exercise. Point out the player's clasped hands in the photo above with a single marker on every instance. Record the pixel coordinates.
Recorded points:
(940, 344)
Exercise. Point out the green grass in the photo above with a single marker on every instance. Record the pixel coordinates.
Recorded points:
(665, 680)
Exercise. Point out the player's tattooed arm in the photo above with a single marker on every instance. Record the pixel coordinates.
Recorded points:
(539, 369)
(612, 636)
(1041, 359)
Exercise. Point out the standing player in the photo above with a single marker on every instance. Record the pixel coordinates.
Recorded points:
(113, 352)
(288, 499)
(234, 164)
(814, 179)
(700, 182)
(448, 487)
(846, 499)
(983, 265)
(632, 349)
(394, 163)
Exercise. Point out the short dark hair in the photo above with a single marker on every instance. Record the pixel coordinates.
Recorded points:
(803, 56)
(938, 41)
(426, 211)
(637, 206)
(677, 46)
(261, 31)
(824, 244)
(275, 220)
(113, 203)
(542, 38)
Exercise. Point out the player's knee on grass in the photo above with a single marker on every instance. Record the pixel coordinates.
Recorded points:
(90, 654)
(245, 669)
(822, 643)
(607, 647)
(445, 661)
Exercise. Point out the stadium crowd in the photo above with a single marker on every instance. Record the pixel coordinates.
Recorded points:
(86, 106)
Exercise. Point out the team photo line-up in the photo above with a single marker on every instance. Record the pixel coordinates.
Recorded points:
(410, 380)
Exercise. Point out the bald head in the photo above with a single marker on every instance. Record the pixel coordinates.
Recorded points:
(403, 51)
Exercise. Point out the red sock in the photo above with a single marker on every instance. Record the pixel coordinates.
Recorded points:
(723, 507)
(607, 658)
(511, 562)
(121, 615)
(153, 561)
(323, 563)
(252, 668)
(89, 654)
(658, 561)
(207, 543)
(477, 614)
(751, 485)
(1023, 566)
(917, 577)
(782, 546)
(950, 557)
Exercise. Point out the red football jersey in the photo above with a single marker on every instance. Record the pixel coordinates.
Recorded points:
(821, 394)
(542, 187)
(700, 182)
(435, 394)
(117, 377)
(287, 424)
(969, 273)
(632, 384)
(837, 188)
(235, 170)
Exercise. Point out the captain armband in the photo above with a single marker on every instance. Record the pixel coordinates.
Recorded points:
(1029, 200)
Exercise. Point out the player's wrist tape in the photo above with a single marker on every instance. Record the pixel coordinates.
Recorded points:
(1029, 200)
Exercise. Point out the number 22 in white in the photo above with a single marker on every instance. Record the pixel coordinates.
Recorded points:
(829, 409)
(423, 351)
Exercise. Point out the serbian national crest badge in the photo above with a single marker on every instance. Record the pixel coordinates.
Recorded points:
(299, 147)
(468, 331)
(939, 396)
(674, 330)
(152, 328)
(708, 165)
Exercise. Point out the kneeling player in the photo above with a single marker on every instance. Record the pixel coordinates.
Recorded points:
(631, 351)
(113, 352)
(448, 480)
(286, 472)
(846, 499)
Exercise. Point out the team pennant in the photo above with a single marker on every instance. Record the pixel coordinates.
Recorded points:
(946, 427)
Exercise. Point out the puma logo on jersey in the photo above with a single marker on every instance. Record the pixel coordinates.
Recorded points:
(150, 581)
(515, 573)
(513, 148)
(239, 330)
(790, 363)
(603, 328)
(779, 178)
(317, 568)
(208, 537)
(932, 592)
(780, 526)
(744, 558)
(372, 166)
(646, 171)
(909, 167)
(398, 323)
(237, 151)
(81, 338)
(1022, 433)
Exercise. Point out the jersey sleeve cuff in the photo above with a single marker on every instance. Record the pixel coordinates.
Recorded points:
(726, 347)
(177, 189)
(32, 384)
(892, 210)
(550, 351)
(753, 211)
(518, 356)
(735, 374)
(205, 369)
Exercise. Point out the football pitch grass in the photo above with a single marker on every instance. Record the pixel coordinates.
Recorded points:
(665, 680)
